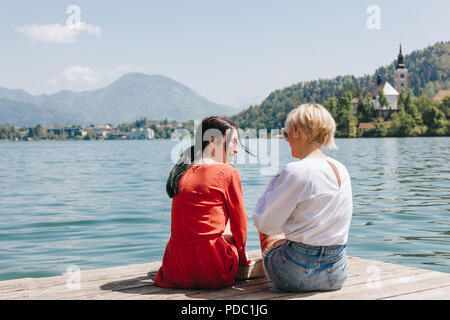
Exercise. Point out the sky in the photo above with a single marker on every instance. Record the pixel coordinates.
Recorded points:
(229, 51)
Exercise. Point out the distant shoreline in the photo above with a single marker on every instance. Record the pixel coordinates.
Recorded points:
(156, 139)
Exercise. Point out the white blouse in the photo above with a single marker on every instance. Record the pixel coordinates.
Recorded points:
(306, 204)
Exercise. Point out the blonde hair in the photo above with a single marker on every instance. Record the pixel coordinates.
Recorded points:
(314, 122)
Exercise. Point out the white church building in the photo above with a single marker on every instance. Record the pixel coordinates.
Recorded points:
(391, 93)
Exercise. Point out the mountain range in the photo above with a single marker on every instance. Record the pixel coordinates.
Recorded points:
(132, 96)
(137, 95)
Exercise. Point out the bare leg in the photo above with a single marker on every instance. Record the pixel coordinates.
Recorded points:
(268, 242)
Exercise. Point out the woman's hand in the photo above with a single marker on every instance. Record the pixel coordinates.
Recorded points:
(243, 260)
(268, 242)
(253, 270)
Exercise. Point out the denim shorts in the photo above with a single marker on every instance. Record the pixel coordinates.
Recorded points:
(294, 266)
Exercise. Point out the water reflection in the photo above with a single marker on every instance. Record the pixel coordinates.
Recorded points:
(390, 160)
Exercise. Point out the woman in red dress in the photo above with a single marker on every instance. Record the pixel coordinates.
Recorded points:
(207, 194)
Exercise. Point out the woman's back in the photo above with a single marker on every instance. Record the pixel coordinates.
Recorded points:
(197, 254)
(313, 208)
(310, 201)
(199, 207)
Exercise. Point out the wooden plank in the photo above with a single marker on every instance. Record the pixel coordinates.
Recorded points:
(442, 293)
(132, 282)
(86, 276)
(366, 280)
(89, 279)
(160, 293)
(60, 290)
(265, 285)
(236, 291)
(276, 295)
(149, 292)
(358, 274)
(97, 289)
(389, 287)
(92, 282)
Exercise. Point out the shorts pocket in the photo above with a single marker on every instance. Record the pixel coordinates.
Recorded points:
(337, 273)
(290, 276)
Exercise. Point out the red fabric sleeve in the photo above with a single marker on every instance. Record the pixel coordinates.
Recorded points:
(234, 202)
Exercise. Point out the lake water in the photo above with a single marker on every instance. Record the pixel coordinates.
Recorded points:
(97, 204)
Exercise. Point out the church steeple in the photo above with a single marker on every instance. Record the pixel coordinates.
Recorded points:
(401, 74)
(379, 79)
(400, 61)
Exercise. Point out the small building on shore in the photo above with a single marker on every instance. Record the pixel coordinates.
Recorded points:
(441, 95)
(142, 133)
(119, 136)
(102, 131)
(384, 110)
(71, 132)
(366, 125)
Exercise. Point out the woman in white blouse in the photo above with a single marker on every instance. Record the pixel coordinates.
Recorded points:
(304, 215)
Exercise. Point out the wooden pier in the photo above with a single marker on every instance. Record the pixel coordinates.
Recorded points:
(367, 279)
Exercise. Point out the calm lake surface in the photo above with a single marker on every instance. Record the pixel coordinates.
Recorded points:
(97, 204)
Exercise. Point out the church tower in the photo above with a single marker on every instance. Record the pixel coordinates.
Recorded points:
(401, 74)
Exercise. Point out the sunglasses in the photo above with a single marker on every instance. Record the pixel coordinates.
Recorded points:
(285, 134)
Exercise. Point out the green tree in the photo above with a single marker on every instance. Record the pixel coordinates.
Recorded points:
(332, 106)
(382, 100)
(380, 127)
(402, 125)
(444, 106)
(90, 134)
(401, 101)
(346, 120)
(434, 119)
(367, 112)
(189, 126)
(408, 101)
(38, 132)
(42, 132)
(411, 109)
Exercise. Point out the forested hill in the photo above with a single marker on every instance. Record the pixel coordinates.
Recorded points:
(428, 69)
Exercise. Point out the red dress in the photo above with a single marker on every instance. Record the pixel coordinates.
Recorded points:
(197, 255)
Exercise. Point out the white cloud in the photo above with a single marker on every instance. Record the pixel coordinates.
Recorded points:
(82, 26)
(87, 75)
(57, 33)
(81, 74)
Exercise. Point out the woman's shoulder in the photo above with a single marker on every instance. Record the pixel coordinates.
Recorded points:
(230, 171)
(311, 163)
(298, 170)
(309, 168)
(298, 167)
(219, 175)
(227, 174)
(338, 164)
(225, 169)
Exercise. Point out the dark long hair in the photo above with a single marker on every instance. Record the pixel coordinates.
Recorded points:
(210, 126)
